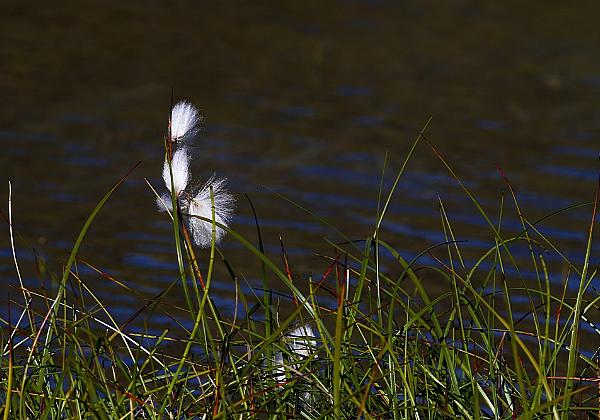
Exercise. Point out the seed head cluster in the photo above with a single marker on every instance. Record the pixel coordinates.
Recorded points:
(195, 204)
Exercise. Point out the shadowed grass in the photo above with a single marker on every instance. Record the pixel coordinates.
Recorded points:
(387, 343)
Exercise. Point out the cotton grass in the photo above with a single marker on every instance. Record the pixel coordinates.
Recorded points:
(434, 336)
(195, 204)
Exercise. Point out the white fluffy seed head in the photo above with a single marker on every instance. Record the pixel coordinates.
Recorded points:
(164, 203)
(184, 121)
(279, 368)
(302, 341)
(201, 205)
(180, 165)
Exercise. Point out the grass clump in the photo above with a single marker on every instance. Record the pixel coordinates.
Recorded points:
(356, 342)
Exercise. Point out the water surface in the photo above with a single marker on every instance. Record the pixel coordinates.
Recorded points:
(301, 98)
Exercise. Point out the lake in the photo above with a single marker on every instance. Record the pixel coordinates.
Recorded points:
(302, 98)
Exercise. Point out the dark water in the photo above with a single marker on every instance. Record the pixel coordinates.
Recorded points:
(304, 98)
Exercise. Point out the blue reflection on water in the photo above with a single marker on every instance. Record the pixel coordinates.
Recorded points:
(583, 152)
(86, 161)
(352, 91)
(79, 118)
(587, 175)
(27, 136)
(147, 261)
(491, 125)
(298, 111)
(369, 120)
(591, 80)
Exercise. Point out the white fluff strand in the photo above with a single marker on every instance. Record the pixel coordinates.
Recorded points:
(184, 121)
(180, 165)
(201, 205)
(164, 203)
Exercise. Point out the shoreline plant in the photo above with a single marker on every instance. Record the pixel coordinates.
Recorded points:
(356, 341)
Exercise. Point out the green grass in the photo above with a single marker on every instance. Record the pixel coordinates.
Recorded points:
(389, 344)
